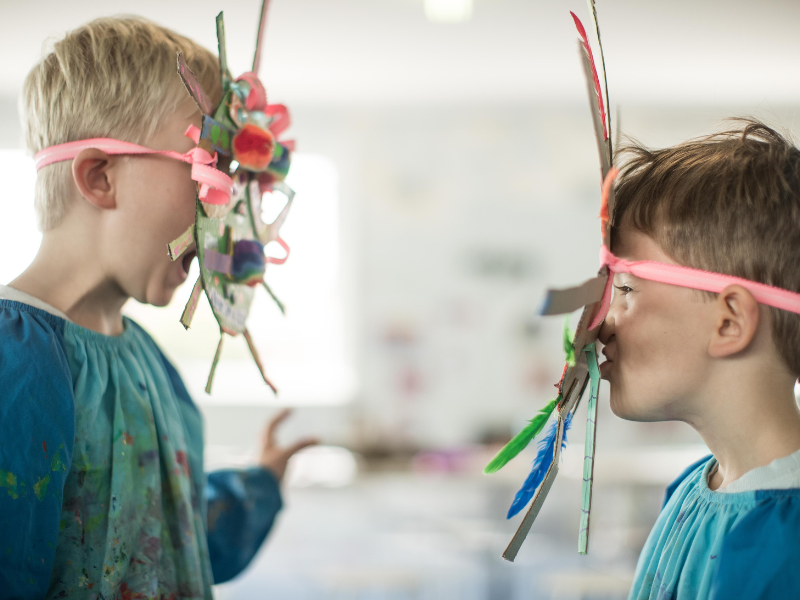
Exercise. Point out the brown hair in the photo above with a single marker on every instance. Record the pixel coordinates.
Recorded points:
(113, 77)
(728, 203)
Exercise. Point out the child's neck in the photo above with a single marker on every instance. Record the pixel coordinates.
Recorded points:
(67, 273)
(748, 417)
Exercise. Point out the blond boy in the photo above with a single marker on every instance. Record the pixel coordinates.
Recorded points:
(102, 488)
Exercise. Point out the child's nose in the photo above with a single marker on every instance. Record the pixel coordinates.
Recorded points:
(607, 326)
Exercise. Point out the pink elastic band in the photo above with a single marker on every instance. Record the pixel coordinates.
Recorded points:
(279, 261)
(688, 277)
(215, 186)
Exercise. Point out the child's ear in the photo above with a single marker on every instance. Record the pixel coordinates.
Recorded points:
(737, 318)
(90, 170)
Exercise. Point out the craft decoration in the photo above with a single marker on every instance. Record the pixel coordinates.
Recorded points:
(581, 367)
(239, 157)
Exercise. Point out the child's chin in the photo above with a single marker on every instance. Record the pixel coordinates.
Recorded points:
(631, 411)
(162, 296)
(623, 409)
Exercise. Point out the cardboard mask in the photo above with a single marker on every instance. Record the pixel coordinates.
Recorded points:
(230, 236)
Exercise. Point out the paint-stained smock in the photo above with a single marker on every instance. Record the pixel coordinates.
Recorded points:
(102, 489)
(721, 546)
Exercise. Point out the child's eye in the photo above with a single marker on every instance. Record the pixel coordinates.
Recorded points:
(624, 289)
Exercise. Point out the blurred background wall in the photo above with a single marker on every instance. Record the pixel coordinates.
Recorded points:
(446, 174)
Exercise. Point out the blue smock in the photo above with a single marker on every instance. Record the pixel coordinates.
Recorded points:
(721, 546)
(102, 488)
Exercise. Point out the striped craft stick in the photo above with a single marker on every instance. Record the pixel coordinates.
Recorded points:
(589, 447)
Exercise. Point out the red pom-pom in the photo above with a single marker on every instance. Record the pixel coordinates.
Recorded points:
(253, 148)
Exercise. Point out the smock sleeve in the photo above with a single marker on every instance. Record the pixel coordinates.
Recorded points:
(760, 556)
(241, 504)
(37, 432)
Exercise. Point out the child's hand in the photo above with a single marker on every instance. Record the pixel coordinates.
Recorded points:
(273, 457)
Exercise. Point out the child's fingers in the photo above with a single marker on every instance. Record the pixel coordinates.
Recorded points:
(272, 426)
(299, 445)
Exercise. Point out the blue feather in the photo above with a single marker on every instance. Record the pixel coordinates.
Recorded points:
(540, 466)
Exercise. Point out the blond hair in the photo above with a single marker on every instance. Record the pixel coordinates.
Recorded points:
(113, 77)
(729, 203)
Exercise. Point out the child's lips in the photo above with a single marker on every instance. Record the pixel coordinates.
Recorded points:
(606, 366)
(609, 351)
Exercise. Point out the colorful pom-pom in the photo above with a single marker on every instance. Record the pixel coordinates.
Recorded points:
(249, 263)
(253, 148)
(281, 161)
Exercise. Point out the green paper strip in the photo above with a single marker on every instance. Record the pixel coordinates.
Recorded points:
(522, 439)
(589, 448)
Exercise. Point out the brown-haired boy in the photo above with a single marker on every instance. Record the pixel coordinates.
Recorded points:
(102, 490)
(723, 363)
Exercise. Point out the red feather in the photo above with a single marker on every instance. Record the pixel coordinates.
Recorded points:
(585, 42)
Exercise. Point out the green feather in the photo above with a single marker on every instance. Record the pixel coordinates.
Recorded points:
(522, 439)
(569, 349)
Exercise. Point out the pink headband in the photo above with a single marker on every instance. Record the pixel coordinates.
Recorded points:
(215, 186)
(683, 276)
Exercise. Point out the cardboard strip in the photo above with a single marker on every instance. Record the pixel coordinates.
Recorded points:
(214, 364)
(272, 295)
(256, 358)
(596, 26)
(512, 550)
(584, 335)
(589, 450)
(513, 547)
(262, 29)
(575, 389)
(597, 120)
(191, 305)
(178, 246)
(560, 302)
(610, 201)
(193, 86)
(222, 50)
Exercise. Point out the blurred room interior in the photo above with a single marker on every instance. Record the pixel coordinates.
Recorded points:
(446, 173)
